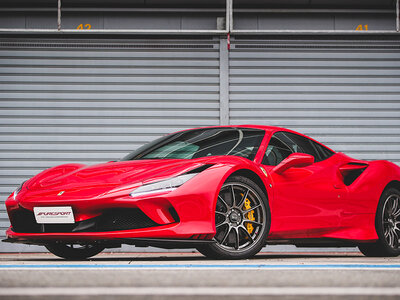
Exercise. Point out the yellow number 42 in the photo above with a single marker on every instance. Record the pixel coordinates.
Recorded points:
(361, 28)
(87, 26)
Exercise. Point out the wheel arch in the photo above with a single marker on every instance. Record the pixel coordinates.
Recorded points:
(393, 184)
(252, 176)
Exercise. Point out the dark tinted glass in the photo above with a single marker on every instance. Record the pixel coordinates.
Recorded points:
(323, 152)
(282, 144)
(197, 143)
(304, 144)
(276, 151)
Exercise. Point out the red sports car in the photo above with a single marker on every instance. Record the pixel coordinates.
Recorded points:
(226, 191)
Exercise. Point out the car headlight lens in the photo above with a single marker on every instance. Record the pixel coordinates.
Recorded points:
(163, 186)
(18, 190)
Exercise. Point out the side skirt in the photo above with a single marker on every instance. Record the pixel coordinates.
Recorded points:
(317, 243)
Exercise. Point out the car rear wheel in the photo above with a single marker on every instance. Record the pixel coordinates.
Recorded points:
(74, 251)
(242, 220)
(387, 224)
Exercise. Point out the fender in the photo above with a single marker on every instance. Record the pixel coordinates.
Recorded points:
(379, 174)
(226, 167)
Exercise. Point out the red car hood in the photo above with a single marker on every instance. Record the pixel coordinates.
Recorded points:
(90, 181)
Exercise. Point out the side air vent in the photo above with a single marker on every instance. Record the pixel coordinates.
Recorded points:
(351, 171)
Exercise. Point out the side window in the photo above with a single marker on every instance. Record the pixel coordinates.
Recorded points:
(305, 145)
(277, 151)
(282, 144)
(323, 152)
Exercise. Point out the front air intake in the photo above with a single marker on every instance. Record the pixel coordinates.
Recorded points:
(123, 219)
(23, 221)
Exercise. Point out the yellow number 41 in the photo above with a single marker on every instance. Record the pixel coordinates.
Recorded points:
(87, 26)
(361, 28)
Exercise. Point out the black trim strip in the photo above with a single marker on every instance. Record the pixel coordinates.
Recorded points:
(138, 242)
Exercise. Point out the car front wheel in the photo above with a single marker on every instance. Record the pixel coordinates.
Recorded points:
(242, 220)
(74, 251)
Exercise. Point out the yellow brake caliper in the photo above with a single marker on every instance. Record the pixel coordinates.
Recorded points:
(250, 215)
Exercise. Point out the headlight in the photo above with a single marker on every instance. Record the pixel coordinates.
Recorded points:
(163, 186)
(18, 190)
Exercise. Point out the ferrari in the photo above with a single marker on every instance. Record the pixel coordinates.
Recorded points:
(227, 191)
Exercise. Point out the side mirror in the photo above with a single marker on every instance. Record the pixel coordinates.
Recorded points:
(294, 160)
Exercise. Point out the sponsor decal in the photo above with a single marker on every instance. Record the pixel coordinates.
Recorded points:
(54, 215)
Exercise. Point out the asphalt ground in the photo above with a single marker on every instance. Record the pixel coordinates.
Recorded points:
(299, 275)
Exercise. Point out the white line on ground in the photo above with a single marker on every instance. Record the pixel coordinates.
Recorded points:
(201, 291)
(387, 267)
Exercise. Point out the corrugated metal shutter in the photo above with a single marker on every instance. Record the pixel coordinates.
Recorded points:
(344, 93)
(90, 102)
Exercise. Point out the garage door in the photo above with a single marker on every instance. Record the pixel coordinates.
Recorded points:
(344, 93)
(90, 102)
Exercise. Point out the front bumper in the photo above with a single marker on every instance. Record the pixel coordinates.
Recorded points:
(175, 215)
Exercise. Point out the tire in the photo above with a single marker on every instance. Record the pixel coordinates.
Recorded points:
(74, 251)
(387, 224)
(242, 221)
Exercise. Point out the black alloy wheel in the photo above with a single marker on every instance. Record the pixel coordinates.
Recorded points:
(242, 220)
(387, 224)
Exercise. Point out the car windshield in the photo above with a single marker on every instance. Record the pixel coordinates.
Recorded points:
(197, 143)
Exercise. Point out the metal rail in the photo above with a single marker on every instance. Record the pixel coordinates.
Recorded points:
(316, 32)
(193, 10)
(229, 23)
(59, 15)
(313, 10)
(113, 31)
(397, 16)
